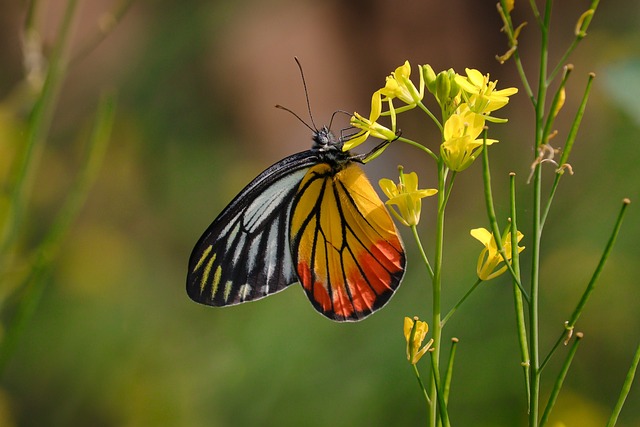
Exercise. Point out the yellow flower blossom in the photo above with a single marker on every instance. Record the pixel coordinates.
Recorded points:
(461, 145)
(490, 258)
(510, 5)
(415, 331)
(369, 127)
(399, 85)
(406, 197)
(481, 94)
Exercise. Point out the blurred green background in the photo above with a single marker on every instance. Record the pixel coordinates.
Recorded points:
(115, 341)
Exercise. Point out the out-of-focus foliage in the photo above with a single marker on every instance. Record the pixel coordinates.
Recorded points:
(116, 341)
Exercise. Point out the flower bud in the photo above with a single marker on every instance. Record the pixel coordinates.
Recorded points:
(429, 78)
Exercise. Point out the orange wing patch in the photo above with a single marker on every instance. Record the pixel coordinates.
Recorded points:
(344, 243)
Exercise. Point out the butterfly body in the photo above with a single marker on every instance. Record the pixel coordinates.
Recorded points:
(312, 218)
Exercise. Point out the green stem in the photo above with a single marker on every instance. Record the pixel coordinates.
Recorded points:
(596, 274)
(419, 146)
(450, 187)
(513, 43)
(533, 303)
(555, 104)
(536, 12)
(430, 114)
(626, 387)
(579, 35)
(34, 284)
(108, 21)
(442, 405)
(570, 324)
(534, 394)
(573, 132)
(462, 300)
(560, 380)
(422, 387)
(568, 146)
(449, 373)
(491, 214)
(423, 254)
(436, 290)
(39, 123)
(32, 14)
(517, 293)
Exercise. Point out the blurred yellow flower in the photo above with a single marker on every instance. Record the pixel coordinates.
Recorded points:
(490, 258)
(406, 197)
(481, 94)
(510, 5)
(461, 145)
(369, 127)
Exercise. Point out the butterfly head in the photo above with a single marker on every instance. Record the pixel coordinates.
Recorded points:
(325, 141)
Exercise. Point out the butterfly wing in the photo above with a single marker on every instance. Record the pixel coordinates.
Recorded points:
(347, 251)
(244, 255)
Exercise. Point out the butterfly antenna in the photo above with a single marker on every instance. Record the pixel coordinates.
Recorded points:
(297, 117)
(306, 92)
(348, 114)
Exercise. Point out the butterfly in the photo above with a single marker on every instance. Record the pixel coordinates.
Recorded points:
(312, 218)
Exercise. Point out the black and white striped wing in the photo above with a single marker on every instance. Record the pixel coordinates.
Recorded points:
(244, 255)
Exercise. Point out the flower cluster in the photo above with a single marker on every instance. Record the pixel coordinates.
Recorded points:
(466, 103)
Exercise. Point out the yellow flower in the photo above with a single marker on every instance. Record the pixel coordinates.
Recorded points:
(490, 258)
(461, 145)
(510, 5)
(415, 332)
(481, 94)
(406, 197)
(399, 85)
(369, 127)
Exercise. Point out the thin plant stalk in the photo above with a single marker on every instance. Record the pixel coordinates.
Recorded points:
(573, 319)
(38, 126)
(626, 387)
(556, 104)
(580, 33)
(442, 405)
(45, 253)
(571, 137)
(422, 387)
(436, 288)
(533, 304)
(449, 372)
(513, 43)
(560, 380)
(106, 24)
(534, 394)
(423, 254)
(491, 213)
(461, 301)
(517, 293)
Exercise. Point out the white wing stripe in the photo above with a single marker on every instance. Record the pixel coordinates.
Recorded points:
(262, 207)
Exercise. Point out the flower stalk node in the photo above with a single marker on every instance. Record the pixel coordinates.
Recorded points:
(569, 330)
(562, 168)
(546, 153)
